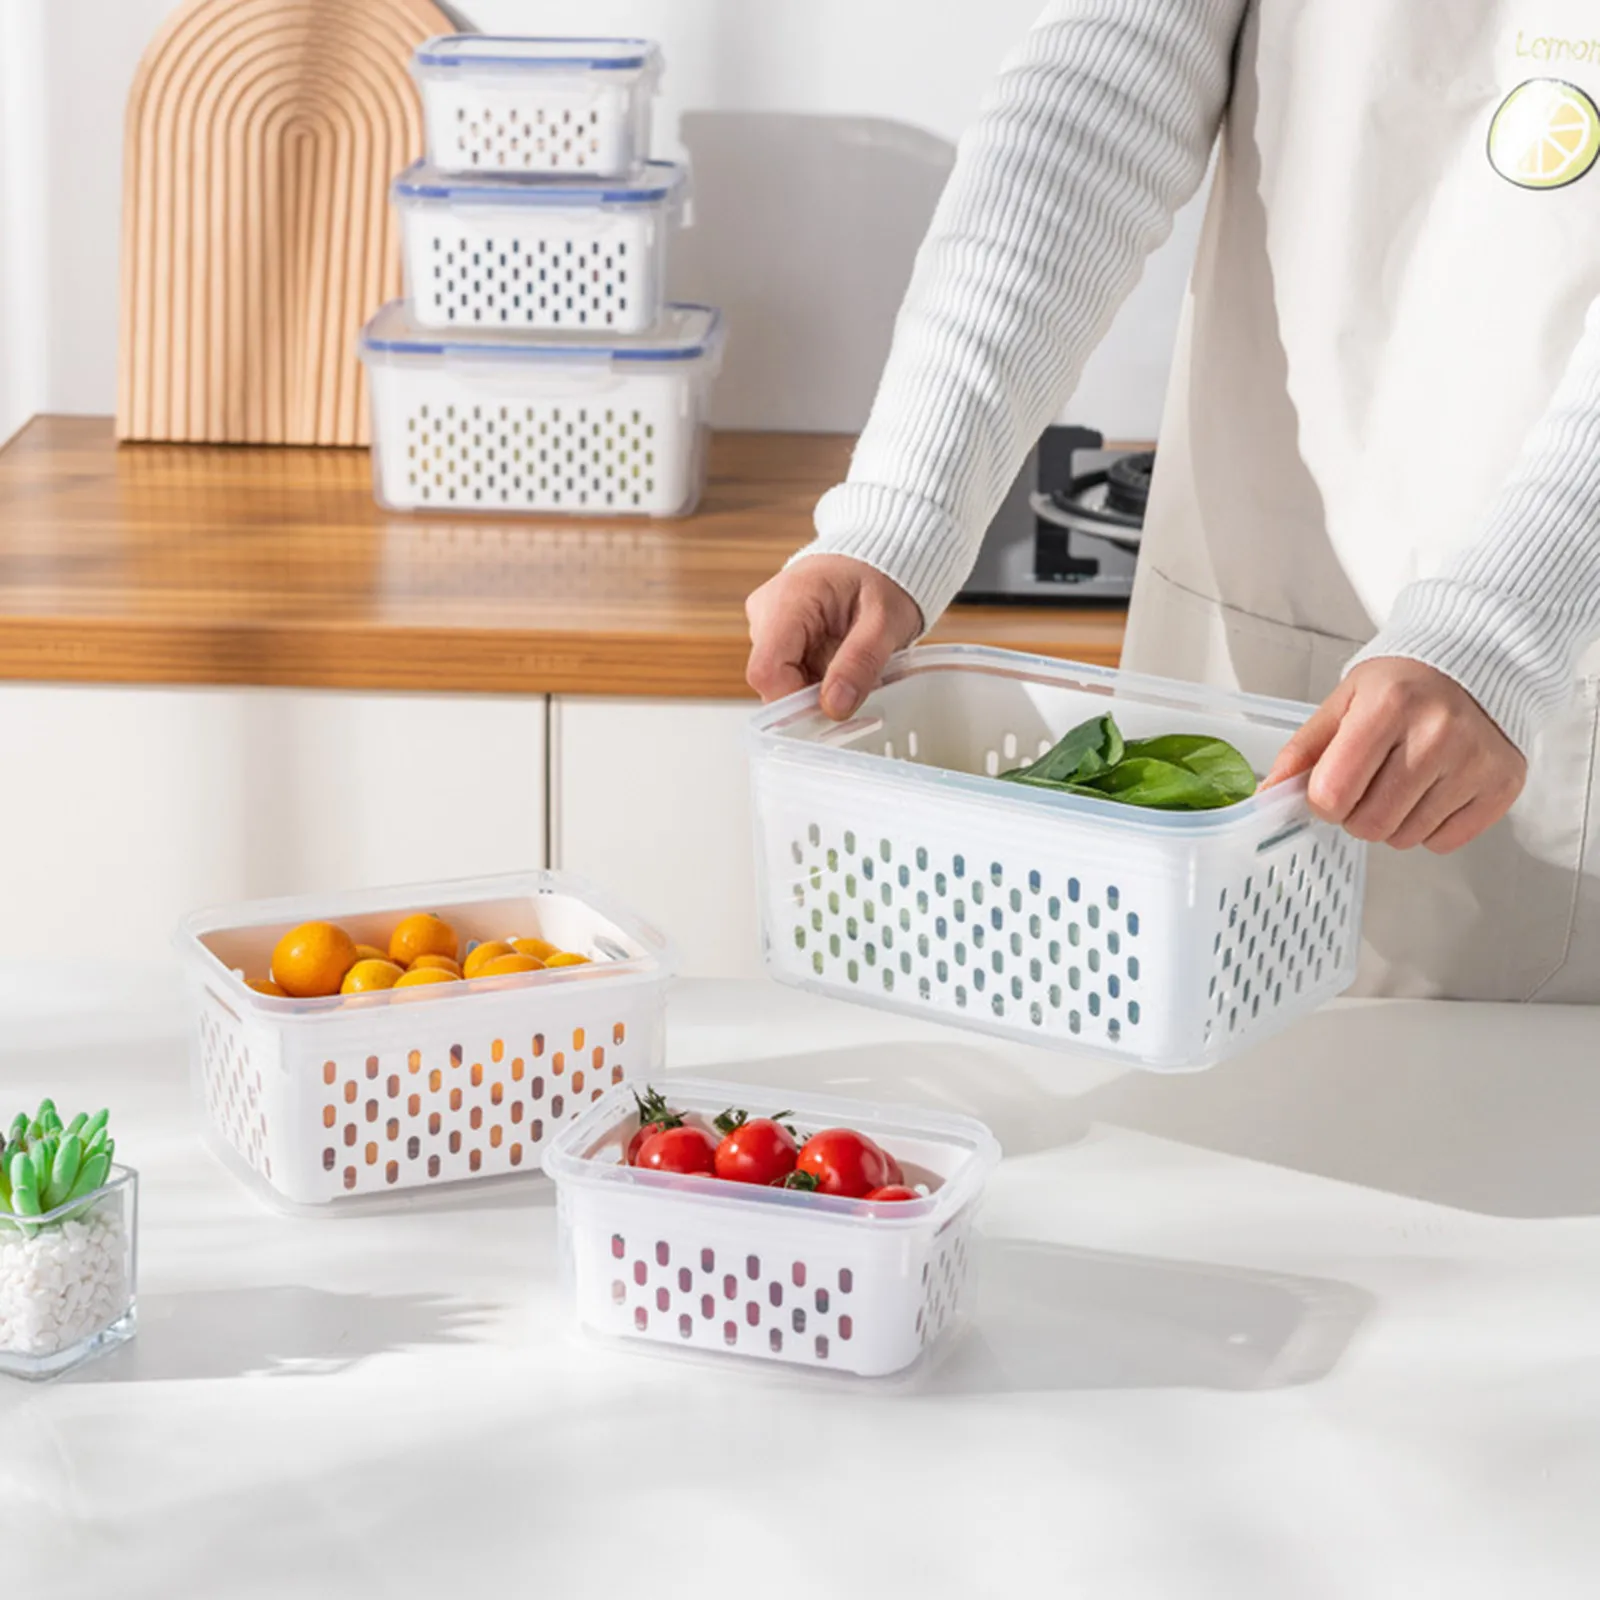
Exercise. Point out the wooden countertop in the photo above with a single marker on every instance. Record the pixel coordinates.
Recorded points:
(210, 565)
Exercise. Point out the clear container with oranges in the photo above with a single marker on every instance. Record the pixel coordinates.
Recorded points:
(352, 1045)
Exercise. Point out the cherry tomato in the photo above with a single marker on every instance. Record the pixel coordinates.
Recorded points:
(893, 1191)
(845, 1162)
(758, 1151)
(897, 1179)
(681, 1149)
(654, 1115)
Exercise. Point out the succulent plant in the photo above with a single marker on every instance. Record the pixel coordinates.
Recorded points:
(45, 1165)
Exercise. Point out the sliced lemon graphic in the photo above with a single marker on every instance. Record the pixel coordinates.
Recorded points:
(1545, 134)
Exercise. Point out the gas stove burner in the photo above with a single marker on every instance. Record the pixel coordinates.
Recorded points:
(1068, 531)
(1128, 484)
(1113, 498)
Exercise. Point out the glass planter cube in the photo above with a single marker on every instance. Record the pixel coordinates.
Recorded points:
(67, 1280)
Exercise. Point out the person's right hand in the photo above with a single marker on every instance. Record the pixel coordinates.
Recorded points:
(830, 620)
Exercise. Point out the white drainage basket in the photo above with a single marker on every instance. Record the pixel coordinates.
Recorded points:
(537, 106)
(463, 421)
(329, 1102)
(697, 1264)
(895, 871)
(575, 257)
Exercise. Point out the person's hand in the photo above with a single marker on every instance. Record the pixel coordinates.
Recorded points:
(830, 620)
(1401, 754)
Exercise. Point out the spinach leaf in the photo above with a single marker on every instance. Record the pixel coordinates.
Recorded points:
(1089, 749)
(1161, 785)
(1175, 772)
(1213, 759)
(1026, 780)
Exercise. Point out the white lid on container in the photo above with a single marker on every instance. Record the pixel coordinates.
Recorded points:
(683, 333)
(467, 51)
(654, 182)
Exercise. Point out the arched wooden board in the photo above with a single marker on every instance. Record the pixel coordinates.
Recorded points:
(257, 234)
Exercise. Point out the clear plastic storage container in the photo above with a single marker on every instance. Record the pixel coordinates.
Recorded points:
(895, 871)
(537, 105)
(574, 256)
(467, 421)
(319, 1102)
(778, 1274)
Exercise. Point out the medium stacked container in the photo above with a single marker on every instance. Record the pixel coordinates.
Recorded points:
(535, 364)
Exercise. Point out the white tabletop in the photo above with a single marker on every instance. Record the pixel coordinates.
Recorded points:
(1319, 1324)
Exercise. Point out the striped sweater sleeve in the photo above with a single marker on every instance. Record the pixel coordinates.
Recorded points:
(1510, 615)
(1099, 128)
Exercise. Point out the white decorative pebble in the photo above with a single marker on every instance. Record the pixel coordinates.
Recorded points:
(62, 1285)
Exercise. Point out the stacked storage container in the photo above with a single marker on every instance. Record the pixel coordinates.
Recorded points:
(535, 364)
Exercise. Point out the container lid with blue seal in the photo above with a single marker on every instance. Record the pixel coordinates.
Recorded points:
(655, 183)
(683, 333)
(482, 52)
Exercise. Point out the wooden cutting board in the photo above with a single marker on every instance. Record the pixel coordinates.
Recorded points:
(257, 233)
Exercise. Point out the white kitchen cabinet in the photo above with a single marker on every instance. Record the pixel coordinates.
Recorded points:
(652, 799)
(121, 810)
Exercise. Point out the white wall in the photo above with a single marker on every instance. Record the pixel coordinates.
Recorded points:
(881, 88)
(683, 854)
(23, 253)
(122, 810)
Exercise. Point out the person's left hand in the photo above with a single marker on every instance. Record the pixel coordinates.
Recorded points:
(1401, 754)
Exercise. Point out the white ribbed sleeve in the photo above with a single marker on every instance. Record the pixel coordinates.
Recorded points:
(1510, 615)
(1098, 130)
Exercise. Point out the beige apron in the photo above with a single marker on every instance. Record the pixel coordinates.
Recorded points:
(1377, 319)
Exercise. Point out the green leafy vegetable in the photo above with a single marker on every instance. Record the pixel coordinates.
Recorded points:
(1176, 772)
(1091, 748)
(1215, 760)
(1160, 785)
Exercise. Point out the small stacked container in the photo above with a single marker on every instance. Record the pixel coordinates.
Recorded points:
(541, 107)
(535, 364)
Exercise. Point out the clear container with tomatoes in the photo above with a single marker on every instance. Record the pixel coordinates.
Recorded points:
(331, 1101)
(841, 1243)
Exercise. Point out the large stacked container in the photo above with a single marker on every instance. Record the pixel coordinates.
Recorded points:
(471, 421)
(534, 235)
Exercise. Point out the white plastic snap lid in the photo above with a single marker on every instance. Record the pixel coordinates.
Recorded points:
(683, 333)
(469, 50)
(650, 184)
